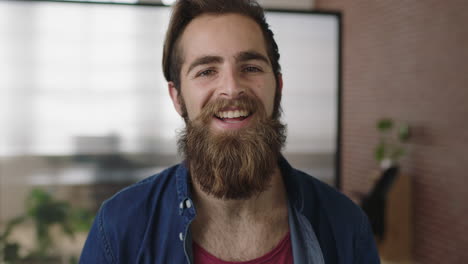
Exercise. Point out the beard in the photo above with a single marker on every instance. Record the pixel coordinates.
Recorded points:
(235, 164)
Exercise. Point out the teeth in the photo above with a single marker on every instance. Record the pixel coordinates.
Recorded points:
(233, 114)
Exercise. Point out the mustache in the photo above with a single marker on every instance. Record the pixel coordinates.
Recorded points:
(248, 103)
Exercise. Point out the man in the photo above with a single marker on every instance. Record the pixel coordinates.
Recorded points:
(234, 199)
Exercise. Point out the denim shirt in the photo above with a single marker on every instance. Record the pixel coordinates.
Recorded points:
(149, 222)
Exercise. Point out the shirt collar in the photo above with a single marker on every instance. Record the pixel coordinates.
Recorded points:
(182, 186)
(295, 195)
(293, 188)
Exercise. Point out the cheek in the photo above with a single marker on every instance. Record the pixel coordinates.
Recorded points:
(187, 103)
(193, 109)
(194, 101)
(266, 93)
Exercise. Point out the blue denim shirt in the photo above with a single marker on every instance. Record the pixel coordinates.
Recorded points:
(149, 222)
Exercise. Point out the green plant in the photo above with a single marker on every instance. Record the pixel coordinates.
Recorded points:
(391, 148)
(43, 211)
(9, 250)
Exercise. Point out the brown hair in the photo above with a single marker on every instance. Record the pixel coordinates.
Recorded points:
(185, 11)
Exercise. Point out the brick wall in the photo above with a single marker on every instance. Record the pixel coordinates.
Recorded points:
(409, 60)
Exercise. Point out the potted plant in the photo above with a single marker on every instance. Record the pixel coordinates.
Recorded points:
(390, 148)
(388, 152)
(44, 212)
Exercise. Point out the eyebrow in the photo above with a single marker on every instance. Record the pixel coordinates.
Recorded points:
(251, 55)
(240, 57)
(204, 60)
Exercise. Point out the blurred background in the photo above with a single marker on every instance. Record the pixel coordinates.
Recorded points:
(369, 85)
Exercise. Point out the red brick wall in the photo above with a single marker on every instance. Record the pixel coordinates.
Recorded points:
(409, 60)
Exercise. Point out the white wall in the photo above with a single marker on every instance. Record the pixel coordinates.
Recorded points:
(285, 4)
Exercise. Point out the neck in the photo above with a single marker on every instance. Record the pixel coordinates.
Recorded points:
(249, 228)
(271, 200)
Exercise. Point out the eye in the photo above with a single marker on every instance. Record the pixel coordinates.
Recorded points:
(251, 69)
(205, 73)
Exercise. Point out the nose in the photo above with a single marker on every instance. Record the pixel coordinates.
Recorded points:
(231, 87)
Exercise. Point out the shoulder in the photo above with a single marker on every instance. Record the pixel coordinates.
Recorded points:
(142, 194)
(129, 212)
(338, 221)
(124, 220)
(340, 210)
(145, 188)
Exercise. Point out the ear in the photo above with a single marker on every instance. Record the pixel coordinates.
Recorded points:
(280, 83)
(175, 97)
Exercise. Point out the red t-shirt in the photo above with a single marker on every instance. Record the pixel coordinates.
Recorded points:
(281, 254)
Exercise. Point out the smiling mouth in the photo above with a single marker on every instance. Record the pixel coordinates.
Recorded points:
(232, 116)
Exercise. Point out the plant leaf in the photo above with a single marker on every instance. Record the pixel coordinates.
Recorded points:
(398, 153)
(380, 151)
(10, 252)
(384, 124)
(404, 132)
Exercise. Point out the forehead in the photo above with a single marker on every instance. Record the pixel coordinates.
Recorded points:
(221, 35)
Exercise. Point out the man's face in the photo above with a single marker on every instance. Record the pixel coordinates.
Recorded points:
(224, 56)
(231, 140)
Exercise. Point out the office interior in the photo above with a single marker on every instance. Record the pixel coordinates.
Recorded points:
(85, 111)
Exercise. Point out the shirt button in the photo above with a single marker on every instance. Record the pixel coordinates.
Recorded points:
(181, 236)
(188, 204)
(181, 205)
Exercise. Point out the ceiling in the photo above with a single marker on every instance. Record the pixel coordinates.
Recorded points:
(272, 4)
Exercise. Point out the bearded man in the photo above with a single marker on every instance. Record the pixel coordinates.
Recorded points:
(234, 199)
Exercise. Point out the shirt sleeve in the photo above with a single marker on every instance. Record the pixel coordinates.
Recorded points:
(97, 248)
(366, 249)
